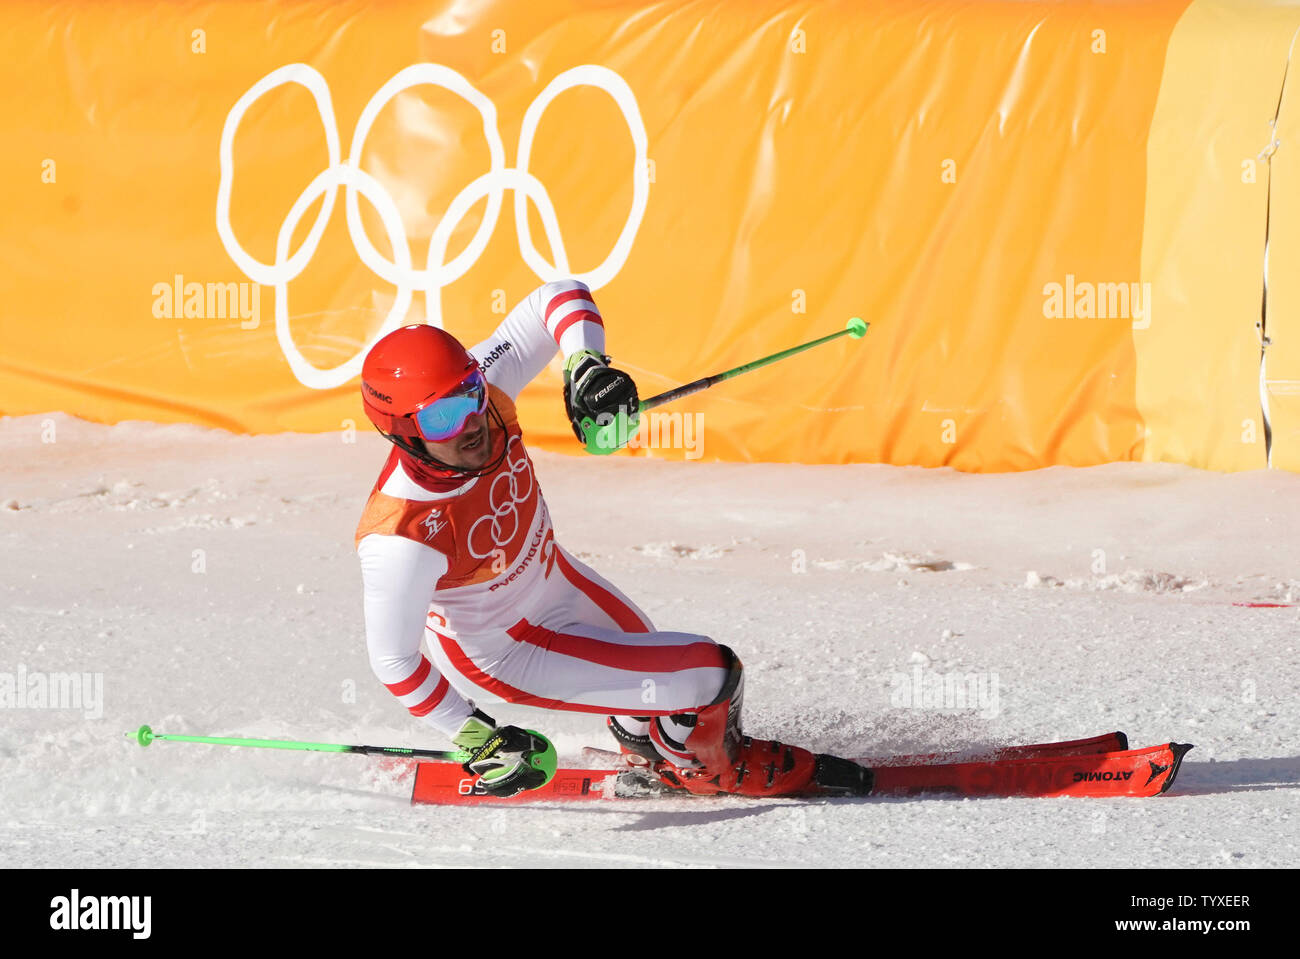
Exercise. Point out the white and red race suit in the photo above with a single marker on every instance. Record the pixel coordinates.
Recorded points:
(472, 567)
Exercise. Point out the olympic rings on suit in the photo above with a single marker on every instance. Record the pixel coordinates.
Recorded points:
(516, 495)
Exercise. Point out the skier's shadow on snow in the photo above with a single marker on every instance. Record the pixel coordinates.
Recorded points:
(1236, 775)
(648, 821)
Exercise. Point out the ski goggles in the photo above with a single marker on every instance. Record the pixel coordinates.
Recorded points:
(445, 417)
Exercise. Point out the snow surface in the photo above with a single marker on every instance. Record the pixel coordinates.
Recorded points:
(209, 580)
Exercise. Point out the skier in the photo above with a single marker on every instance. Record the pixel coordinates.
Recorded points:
(456, 547)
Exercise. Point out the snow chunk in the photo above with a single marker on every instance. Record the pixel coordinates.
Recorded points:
(1132, 581)
(910, 562)
(672, 550)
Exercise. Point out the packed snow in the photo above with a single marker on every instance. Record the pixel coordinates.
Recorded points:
(205, 583)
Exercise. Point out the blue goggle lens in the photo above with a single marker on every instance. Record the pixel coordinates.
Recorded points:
(445, 417)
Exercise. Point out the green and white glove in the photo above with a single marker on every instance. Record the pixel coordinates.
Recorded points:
(506, 759)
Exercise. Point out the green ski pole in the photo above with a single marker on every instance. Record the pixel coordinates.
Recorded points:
(603, 438)
(144, 736)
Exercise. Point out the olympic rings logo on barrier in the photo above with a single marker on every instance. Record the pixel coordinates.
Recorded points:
(437, 273)
(517, 465)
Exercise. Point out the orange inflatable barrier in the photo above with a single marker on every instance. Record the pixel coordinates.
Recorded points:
(1053, 216)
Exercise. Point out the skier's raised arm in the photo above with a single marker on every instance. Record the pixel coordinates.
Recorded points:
(560, 314)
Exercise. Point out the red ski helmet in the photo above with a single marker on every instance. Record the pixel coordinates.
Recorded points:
(419, 382)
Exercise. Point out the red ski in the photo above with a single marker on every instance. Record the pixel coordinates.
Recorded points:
(1106, 743)
(1101, 766)
(1132, 772)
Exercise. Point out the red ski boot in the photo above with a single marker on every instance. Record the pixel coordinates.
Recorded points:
(769, 768)
(731, 762)
(762, 767)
